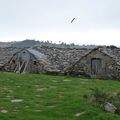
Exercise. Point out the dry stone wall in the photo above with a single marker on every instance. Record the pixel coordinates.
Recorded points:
(62, 58)
(6, 54)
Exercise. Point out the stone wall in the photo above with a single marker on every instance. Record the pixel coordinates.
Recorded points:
(61, 58)
(66, 61)
(36, 66)
(32, 64)
(6, 54)
(109, 68)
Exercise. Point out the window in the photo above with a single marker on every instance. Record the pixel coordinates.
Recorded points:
(34, 62)
(13, 61)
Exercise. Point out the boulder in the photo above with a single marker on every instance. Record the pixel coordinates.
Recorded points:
(108, 107)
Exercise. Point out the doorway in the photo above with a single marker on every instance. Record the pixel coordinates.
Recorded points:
(96, 66)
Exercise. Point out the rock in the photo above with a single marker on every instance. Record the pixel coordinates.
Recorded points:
(41, 89)
(3, 111)
(109, 107)
(79, 114)
(16, 100)
(66, 80)
(37, 110)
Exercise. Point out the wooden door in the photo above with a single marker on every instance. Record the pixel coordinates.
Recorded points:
(95, 66)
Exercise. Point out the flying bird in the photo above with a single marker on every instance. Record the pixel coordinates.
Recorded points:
(72, 20)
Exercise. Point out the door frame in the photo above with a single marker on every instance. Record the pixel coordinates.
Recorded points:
(92, 72)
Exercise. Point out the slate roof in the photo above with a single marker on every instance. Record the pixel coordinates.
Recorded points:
(59, 58)
(62, 58)
(114, 53)
(36, 53)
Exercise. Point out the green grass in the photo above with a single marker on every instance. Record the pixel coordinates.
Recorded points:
(48, 97)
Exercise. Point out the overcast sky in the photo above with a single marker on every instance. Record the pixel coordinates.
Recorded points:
(97, 21)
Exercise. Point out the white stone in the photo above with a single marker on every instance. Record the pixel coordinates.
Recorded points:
(109, 107)
(16, 100)
(66, 80)
(79, 114)
(3, 111)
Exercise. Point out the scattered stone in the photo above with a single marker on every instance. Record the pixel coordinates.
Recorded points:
(54, 81)
(37, 110)
(38, 95)
(27, 106)
(83, 82)
(108, 107)
(8, 96)
(41, 89)
(37, 85)
(66, 80)
(16, 110)
(10, 91)
(51, 106)
(17, 100)
(3, 111)
(79, 114)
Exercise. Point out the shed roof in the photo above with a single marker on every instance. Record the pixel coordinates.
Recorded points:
(62, 58)
(36, 53)
(114, 53)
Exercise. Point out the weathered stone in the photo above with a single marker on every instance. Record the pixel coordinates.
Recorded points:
(79, 114)
(109, 107)
(101, 62)
(3, 111)
(41, 89)
(63, 61)
(17, 100)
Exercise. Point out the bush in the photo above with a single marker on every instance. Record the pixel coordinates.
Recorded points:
(115, 99)
(101, 97)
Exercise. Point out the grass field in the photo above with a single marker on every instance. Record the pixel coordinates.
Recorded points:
(45, 97)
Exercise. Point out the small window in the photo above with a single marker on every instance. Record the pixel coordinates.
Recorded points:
(34, 62)
(24, 52)
(13, 61)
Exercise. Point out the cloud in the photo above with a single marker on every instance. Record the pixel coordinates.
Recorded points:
(97, 21)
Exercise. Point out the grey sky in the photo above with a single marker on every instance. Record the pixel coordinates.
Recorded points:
(97, 21)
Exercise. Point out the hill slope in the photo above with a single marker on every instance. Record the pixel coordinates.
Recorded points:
(44, 97)
(25, 43)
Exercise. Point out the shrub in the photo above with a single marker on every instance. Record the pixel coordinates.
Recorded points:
(101, 97)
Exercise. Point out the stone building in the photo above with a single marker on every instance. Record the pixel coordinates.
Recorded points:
(6, 54)
(101, 62)
(29, 61)
(41, 59)
(62, 58)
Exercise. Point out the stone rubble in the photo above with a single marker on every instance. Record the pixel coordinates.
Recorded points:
(108, 107)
